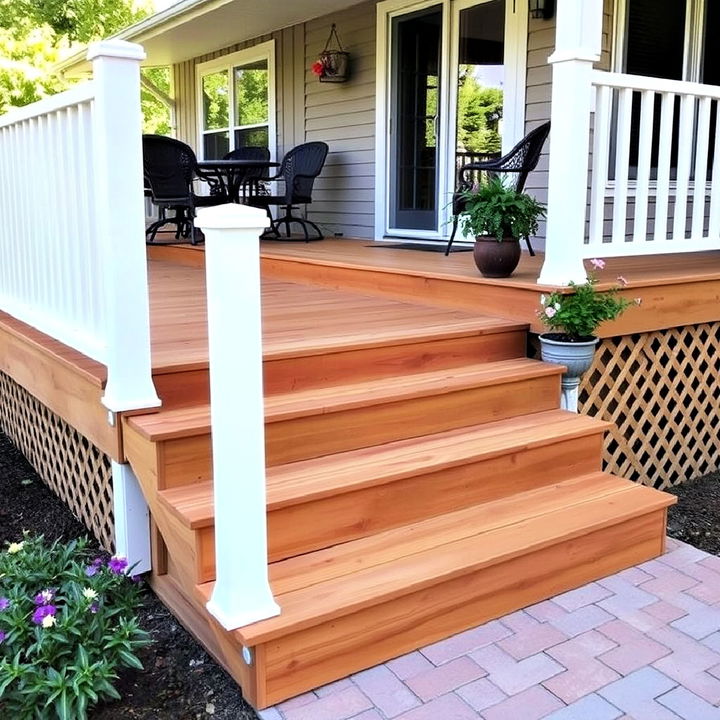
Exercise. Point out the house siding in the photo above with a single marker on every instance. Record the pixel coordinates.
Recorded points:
(343, 114)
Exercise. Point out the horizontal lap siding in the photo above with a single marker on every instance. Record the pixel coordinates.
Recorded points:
(343, 116)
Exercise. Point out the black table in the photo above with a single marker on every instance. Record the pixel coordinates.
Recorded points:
(233, 175)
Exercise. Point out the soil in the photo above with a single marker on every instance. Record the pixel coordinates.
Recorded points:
(180, 681)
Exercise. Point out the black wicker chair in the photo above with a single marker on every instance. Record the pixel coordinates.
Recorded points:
(518, 163)
(298, 170)
(169, 168)
(249, 180)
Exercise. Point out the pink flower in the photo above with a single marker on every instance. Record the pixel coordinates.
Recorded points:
(622, 280)
(550, 312)
(318, 68)
(598, 264)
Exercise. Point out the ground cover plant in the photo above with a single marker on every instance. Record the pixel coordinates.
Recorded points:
(180, 680)
(67, 625)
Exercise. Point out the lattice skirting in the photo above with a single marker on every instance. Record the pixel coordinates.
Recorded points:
(75, 470)
(662, 392)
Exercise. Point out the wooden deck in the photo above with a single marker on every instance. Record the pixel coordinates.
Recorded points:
(675, 290)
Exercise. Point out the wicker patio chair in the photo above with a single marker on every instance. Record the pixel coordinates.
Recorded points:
(169, 168)
(517, 164)
(298, 170)
(250, 180)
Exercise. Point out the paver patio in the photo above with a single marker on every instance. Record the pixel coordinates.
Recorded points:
(643, 644)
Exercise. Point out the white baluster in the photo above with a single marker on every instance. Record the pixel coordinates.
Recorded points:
(600, 163)
(662, 194)
(642, 185)
(701, 163)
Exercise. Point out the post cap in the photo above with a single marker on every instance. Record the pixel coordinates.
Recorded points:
(116, 49)
(231, 216)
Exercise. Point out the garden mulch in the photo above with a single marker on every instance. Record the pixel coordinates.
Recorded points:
(181, 681)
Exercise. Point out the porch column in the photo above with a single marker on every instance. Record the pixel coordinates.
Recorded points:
(578, 41)
(242, 593)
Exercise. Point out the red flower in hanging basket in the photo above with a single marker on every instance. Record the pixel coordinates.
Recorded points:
(318, 67)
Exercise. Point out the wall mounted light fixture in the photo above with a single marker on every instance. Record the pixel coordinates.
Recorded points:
(542, 9)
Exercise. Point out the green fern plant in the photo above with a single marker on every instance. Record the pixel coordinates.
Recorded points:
(500, 211)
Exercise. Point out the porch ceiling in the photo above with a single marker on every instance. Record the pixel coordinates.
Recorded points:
(190, 28)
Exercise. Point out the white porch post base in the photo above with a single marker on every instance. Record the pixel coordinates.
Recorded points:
(242, 593)
(132, 519)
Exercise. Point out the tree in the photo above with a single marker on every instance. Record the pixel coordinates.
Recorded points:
(479, 114)
(156, 115)
(33, 32)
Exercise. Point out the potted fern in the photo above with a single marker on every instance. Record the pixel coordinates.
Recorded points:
(499, 217)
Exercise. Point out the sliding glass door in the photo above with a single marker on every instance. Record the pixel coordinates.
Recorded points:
(453, 72)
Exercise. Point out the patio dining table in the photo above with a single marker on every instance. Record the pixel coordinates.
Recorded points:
(236, 176)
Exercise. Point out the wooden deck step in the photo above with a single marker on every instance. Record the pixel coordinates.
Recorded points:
(324, 421)
(324, 501)
(359, 603)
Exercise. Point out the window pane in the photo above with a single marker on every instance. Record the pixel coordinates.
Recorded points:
(215, 101)
(215, 145)
(655, 38)
(481, 76)
(252, 137)
(251, 93)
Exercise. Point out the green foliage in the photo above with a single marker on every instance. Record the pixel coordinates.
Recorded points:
(497, 210)
(156, 115)
(576, 316)
(251, 96)
(480, 110)
(67, 624)
(73, 20)
(215, 101)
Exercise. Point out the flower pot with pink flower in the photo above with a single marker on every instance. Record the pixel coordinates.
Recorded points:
(572, 319)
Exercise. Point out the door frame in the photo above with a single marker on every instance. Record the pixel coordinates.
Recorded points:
(516, 35)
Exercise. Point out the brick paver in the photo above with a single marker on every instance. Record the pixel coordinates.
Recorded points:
(643, 644)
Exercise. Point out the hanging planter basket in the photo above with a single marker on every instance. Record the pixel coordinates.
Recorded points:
(334, 63)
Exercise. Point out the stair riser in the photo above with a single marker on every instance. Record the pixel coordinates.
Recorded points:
(328, 521)
(391, 360)
(308, 659)
(323, 434)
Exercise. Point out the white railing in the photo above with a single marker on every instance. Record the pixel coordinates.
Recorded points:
(242, 593)
(654, 185)
(72, 250)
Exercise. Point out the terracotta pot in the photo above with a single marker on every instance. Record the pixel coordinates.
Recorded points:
(496, 259)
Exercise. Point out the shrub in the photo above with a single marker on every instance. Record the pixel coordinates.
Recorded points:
(67, 623)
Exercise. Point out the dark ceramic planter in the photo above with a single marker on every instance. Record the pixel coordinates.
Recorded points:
(496, 259)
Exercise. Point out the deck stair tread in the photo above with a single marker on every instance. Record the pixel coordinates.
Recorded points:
(317, 478)
(317, 587)
(188, 421)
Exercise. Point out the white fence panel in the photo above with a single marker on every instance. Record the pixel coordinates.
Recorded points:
(654, 176)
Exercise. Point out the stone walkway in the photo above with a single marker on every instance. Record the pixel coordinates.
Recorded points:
(643, 645)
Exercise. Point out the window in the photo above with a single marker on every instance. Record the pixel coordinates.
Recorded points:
(237, 101)
(669, 39)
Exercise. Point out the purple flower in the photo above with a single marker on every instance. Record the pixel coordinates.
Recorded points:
(45, 597)
(4, 603)
(94, 607)
(43, 612)
(117, 565)
(91, 570)
(2, 637)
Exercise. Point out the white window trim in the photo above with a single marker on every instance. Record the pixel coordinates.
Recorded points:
(516, 35)
(261, 51)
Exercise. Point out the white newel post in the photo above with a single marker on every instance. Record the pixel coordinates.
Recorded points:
(120, 212)
(578, 38)
(242, 593)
